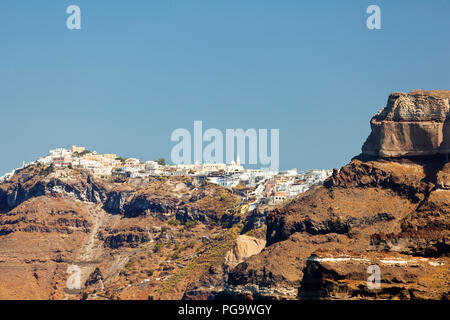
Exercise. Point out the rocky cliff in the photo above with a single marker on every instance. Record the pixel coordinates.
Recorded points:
(389, 208)
(162, 197)
(124, 239)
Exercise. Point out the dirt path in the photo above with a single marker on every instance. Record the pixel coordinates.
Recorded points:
(87, 257)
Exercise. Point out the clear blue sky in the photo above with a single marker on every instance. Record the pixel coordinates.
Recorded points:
(137, 70)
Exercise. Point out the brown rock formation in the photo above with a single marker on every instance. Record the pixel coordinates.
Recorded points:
(244, 248)
(375, 211)
(390, 212)
(412, 124)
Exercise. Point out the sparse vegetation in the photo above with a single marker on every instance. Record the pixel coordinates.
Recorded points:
(121, 159)
(258, 233)
(47, 170)
(82, 153)
(188, 225)
(173, 222)
(213, 255)
(189, 245)
(157, 247)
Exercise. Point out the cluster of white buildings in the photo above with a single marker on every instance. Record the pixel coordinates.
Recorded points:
(79, 157)
(287, 185)
(108, 164)
(268, 187)
(271, 187)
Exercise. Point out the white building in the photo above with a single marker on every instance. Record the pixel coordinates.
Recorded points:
(235, 166)
(227, 181)
(62, 161)
(151, 165)
(86, 164)
(213, 167)
(289, 173)
(102, 171)
(46, 160)
(131, 162)
(60, 152)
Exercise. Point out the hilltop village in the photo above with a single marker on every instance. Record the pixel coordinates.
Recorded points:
(261, 186)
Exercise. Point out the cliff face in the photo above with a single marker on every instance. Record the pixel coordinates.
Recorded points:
(369, 213)
(162, 198)
(122, 236)
(412, 124)
(244, 248)
(393, 213)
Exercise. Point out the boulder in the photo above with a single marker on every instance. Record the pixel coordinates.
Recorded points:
(244, 247)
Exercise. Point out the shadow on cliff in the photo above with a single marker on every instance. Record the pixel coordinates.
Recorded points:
(445, 145)
(431, 164)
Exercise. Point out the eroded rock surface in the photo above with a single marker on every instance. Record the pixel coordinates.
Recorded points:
(121, 239)
(412, 124)
(244, 248)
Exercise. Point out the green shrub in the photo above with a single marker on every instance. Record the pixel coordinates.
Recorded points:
(161, 161)
(157, 247)
(173, 222)
(190, 224)
(45, 172)
(121, 159)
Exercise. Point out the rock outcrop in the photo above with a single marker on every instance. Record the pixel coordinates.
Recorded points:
(412, 124)
(244, 248)
(326, 275)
